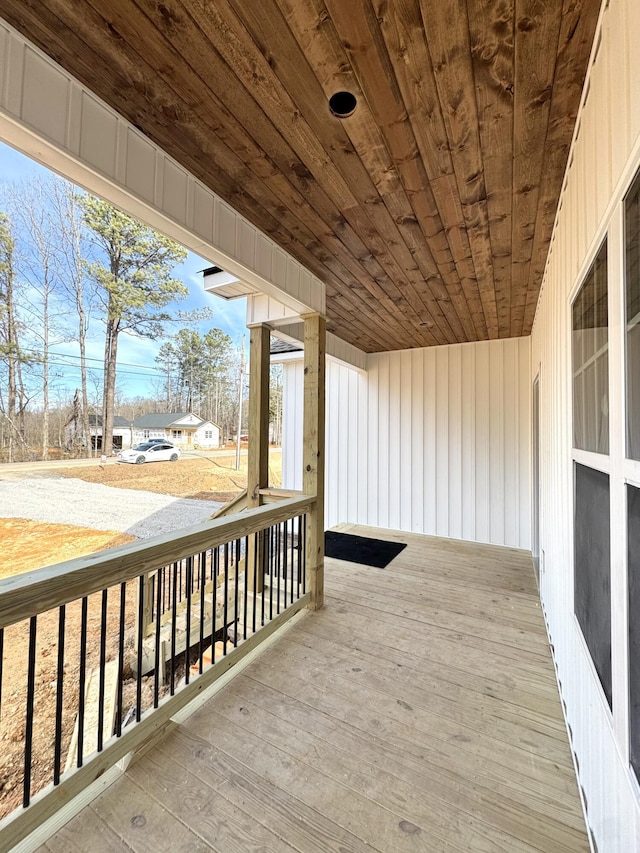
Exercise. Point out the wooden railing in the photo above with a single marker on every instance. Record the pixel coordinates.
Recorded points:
(238, 504)
(109, 647)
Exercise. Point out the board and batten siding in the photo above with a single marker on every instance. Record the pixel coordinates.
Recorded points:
(432, 440)
(604, 158)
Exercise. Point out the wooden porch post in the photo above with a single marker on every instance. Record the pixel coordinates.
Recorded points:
(258, 452)
(313, 452)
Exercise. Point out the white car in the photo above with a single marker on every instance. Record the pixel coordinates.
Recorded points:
(150, 452)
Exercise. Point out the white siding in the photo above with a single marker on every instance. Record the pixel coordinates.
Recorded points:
(200, 438)
(605, 155)
(428, 440)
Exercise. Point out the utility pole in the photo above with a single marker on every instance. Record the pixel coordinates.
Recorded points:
(240, 393)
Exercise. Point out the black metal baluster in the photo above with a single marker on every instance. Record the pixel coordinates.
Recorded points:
(226, 595)
(31, 689)
(303, 553)
(202, 575)
(246, 584)
(235, 595)
(82, 678)
(298, 551)
(101, 672)
(174, 618)
(189, 572)
(278, 562)
(271, 536)
(256, 539)
(57, 749)
(121, 626)
(180, 584)
(263, 571)
(141, 585)
(157, 663)
(292, 557)
(216, 568)
(284, 562)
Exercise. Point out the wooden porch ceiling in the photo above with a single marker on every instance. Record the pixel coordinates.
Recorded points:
(428, 212)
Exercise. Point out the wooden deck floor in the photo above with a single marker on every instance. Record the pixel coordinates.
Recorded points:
(417, 712)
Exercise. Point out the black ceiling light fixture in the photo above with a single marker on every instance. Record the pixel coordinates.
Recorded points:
(342, 104)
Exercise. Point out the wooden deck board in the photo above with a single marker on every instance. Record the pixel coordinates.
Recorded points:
(417, 711)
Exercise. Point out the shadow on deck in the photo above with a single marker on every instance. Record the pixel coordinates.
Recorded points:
(418, 711)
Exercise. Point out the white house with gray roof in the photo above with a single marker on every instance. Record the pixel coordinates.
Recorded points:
(184, 429)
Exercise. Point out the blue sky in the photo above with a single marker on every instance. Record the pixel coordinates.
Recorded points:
(137, 373)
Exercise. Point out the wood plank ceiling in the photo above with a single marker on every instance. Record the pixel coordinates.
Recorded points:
(428, 212)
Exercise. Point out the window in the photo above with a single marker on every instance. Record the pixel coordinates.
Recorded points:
(591, 360)
(592, 574)
(208, 434)
(145, 434)
(176, 433)
(632, 301)
(633, 553)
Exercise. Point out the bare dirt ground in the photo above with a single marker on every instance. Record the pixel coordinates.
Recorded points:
(202, 478)
(26, 545)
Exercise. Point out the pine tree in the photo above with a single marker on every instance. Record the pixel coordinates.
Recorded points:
(134, 284)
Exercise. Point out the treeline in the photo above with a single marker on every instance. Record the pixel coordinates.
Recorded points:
(71, 263)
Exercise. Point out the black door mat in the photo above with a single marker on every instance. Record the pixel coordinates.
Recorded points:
(361, 549)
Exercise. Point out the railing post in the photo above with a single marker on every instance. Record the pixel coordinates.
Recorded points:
(147, 614)
(258, 452)
(313, 452)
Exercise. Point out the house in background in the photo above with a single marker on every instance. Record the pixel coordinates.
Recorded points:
(466, 217)
(184, 429)
(74, 433)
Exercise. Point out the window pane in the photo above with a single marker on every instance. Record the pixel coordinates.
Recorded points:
(592, 588)
(633, 547)
(591, 360)
(632, 248)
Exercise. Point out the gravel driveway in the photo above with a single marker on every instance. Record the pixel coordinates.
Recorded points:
(60, 500)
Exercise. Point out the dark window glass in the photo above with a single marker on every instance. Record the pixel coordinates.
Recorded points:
(633, 546)
(632, 279)
(591, 360)
(592, 568)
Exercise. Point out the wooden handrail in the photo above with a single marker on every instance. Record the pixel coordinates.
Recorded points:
(238, 504)
(30, 593)
(271, 496)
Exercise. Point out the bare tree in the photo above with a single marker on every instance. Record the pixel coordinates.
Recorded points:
(14, 405)
(40, 238)
(66, 203)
